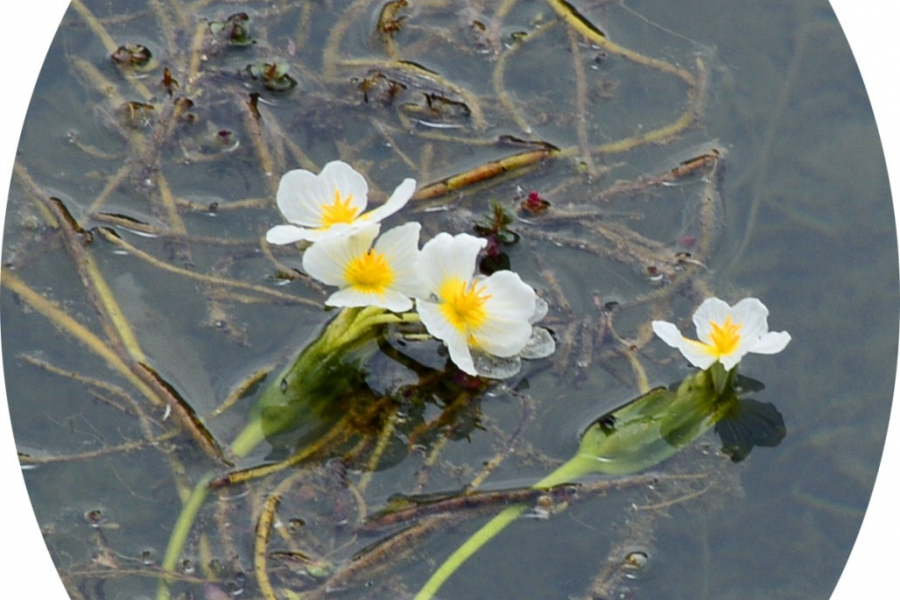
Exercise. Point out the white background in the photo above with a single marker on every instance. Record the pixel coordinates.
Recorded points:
(27, 28)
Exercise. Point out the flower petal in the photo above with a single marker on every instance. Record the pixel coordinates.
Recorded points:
(297, 194)
(668, 333)
(327, 259)
(287, 234)
(751, 315)
(397, 201)
(508, 295)
(502, 337)
(509, 306)
(338, 175)
(336, 230)
(695, 352)
(445, 257)
(400, 246)
(771, 343)
(351, 297)
(438, 326)
(711, 310)
(461, 355)
(729, 361)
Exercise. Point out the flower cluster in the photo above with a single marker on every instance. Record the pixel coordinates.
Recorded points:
(485, 322)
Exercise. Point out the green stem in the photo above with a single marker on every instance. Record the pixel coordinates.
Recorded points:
(180, 533)
(637, 436)
(387, 318)
(369, 320)
(567, 473)
(349, 328)
(248, 439)
(470, 547)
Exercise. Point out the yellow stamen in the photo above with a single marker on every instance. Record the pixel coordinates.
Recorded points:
(463, 304)
(370, 273)
(339, 211)
(725, 337)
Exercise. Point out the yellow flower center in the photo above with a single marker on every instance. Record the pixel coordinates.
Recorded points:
(462, 304)
(339, 211)
(370, 273)
(725, 337)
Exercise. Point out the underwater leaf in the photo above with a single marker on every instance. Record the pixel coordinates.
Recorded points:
(747, 385)
(750, 423)
(314, 388)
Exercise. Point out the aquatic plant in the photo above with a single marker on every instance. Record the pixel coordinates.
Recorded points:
(726, 333)
(654, 426)
(183, 156)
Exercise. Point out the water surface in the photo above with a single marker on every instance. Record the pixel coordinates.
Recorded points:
(801, 217)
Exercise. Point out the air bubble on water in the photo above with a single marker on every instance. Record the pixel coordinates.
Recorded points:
(541, 308)
(496, 367)
(636, 562)
(541, 344)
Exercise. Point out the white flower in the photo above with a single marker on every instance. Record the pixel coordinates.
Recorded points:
(726, 333)
(329, 203)
(468, 311)
(383, 275)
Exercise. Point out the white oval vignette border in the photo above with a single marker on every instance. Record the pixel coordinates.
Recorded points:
(26, 570)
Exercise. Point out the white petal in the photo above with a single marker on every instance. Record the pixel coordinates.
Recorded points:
(299, 195)
(751, 315)
(439, 327)
(327, 259)
(668, 333)
(446, 257)
(711, 310)
(771, 343)
(336, 230)
(434, 321)
(509, 295)
(338, 175)
(287, 234)
(397, 201)
(731, 360)
(351, 297)
(690, 349)
(509, 306)
(401, 241)
(502, 337)
(697, 355)
(400, 246)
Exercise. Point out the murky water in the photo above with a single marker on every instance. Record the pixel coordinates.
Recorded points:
(790, 204)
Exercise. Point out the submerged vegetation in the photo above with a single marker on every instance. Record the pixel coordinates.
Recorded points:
(524, 123)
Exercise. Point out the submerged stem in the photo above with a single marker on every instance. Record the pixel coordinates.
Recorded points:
(180, 533)
(296, 397)
(636, 437)
(567, 473)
